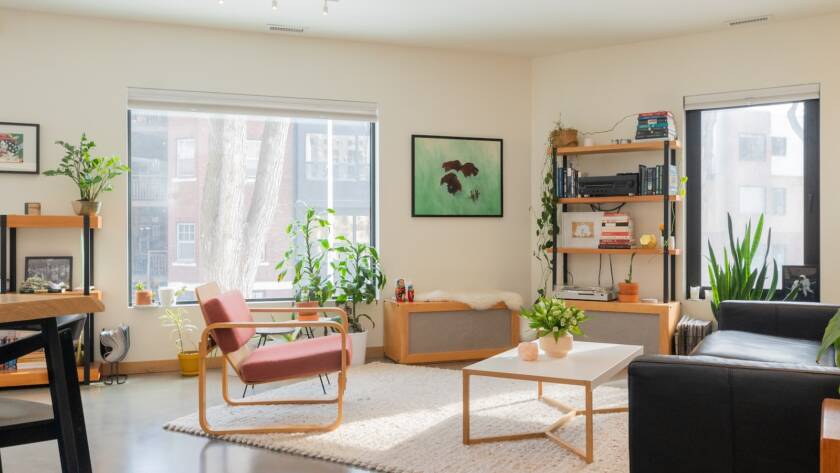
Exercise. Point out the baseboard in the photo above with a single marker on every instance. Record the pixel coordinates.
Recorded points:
(171, 366)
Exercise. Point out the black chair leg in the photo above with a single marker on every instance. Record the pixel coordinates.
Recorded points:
(66, 399)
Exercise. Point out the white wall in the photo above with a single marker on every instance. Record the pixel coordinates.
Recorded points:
(595, 88)
(71, 74)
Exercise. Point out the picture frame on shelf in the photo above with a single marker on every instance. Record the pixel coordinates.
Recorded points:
(806, 277)
(53, 269)
(32, 208)
(580, 229)
(19, 148)
(457, 176)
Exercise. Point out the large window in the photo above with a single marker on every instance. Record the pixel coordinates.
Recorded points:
(247, 177)
(748, 161)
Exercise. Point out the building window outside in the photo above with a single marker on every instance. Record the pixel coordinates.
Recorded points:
(752, 147)
(778, 201)
(185, 158)
(185, 243)
(778, 145)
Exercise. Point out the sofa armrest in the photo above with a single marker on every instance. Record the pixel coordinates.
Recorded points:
(783, 319)
(703, 414)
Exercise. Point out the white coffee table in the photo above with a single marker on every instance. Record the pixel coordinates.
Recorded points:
(588, 365)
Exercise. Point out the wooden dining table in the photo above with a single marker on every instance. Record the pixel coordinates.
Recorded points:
(68, 422)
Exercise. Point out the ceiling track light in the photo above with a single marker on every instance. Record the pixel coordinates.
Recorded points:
(274, 5)
(326, 8)
(221, 2)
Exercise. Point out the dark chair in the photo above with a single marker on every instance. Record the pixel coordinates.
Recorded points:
(747, 400)
(23, 422)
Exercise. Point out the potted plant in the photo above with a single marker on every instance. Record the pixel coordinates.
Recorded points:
(561, 136)
(739, 278)
(142, 296)
(628, 291)
(831, 337)
(181, 334)
(555, 323)
(308, 249)
(92, 175)
(359, 278)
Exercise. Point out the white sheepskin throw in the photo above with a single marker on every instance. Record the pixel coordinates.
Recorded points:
(478, 300)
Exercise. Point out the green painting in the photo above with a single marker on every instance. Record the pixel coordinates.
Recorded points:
(456, 177)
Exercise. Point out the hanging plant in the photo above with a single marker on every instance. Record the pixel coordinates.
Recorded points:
(546, 228)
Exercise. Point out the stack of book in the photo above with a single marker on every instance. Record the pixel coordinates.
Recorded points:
(656, 126)
(616, 231)
(567, 182)
(32, 361)
(652, 180)
(689, 333)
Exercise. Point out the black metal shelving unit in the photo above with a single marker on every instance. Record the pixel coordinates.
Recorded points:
(9, 224)
(669, 157)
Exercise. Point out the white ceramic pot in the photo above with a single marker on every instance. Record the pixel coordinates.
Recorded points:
(359, 341)
(557, 348)
(166, 295)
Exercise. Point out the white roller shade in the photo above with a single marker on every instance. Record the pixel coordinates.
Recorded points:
(208, 102)
(793, 93)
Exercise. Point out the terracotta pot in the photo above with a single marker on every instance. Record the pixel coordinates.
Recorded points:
(143, 297)
(307, 315)
(557, 348)
(189, 363)
(628, 292)
(86, 207)
(564, 137)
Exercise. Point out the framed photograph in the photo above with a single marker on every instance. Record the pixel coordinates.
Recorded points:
(456, 177)
(804, 277)
(53, 269)
(32, 208)
(19, 151)
(581, 229)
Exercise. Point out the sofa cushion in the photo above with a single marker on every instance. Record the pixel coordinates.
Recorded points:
(297, 359)
(738, 345)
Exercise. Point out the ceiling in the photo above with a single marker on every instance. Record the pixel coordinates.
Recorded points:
(518, 27)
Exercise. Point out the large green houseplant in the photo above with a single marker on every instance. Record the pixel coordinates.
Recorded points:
(92, 175)
(555, 323)
(359, 278)
(306, 256)
(734, 278)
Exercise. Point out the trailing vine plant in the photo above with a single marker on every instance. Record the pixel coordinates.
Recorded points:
(546, 228)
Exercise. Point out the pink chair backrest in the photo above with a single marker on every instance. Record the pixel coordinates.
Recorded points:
(228, 307)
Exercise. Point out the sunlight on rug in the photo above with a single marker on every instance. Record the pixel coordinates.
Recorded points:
(407, 419)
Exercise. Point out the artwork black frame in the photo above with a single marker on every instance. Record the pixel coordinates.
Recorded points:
(501, 175)
(37, 147)
(813, 273)
(68, 259)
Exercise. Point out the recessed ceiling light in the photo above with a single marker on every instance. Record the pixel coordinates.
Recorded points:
(274, 4)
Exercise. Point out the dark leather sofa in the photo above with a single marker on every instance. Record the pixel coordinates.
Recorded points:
(747, 400)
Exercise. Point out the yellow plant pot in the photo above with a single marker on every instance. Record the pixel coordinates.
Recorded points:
(189, 363)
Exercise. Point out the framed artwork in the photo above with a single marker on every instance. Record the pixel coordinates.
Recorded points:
(19, 148)
(456, 177)
(53, 269)
(806, 278)
(581, 229)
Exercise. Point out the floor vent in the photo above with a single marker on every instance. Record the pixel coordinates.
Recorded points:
(285, 29)
(749, 20)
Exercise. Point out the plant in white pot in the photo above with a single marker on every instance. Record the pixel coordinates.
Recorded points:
(555, 323)
(307, 253)
(92, 175)
(359, 279)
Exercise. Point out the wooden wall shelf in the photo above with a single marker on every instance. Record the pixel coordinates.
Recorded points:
(52, 221)
(615, 251)
(610, 149)
(620, 199)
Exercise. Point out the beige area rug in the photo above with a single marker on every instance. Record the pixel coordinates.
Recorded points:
(407, 419)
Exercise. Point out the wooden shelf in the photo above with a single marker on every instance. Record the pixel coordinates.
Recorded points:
(629, 307)
(39, 377)
(96, 294)
(52, 221)
(599, 251)
(619, 199)
(611, 149)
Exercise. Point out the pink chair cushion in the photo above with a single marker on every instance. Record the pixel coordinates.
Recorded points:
(294, 360)
(229, 307)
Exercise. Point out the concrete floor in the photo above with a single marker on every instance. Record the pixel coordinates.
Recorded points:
(124, 426)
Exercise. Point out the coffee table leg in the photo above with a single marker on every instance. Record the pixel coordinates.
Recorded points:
(590, 437)
(539, 390)
(466, 404)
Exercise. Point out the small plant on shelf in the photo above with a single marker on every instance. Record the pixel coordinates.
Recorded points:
(92, 175)
(142, 296)
(182, 330)
(628, 291)
(555, 323)
(562, 136)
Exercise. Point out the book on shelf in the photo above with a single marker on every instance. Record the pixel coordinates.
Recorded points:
(656, 126)
(652, 180)
(566, 184)
(616, 231)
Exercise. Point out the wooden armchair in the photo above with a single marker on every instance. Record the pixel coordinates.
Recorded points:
(230, 324)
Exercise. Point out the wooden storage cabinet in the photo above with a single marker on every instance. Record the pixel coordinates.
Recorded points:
(429, 332)
(647, 324)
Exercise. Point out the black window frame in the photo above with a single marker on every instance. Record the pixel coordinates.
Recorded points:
(693, 166)
(374, 209)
